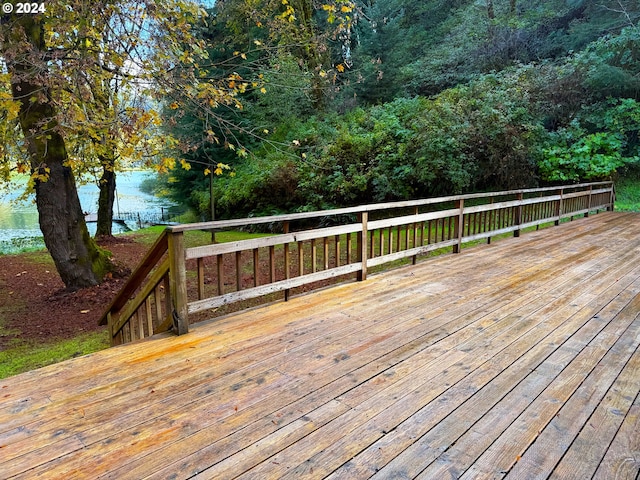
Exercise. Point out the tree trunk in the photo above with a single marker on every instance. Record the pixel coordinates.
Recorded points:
(78, 260)
(490, 11)
(491, 15)
(105, 199)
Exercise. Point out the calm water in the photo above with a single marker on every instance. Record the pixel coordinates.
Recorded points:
(19, 221)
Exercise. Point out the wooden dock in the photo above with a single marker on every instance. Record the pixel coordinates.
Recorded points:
(514, 360)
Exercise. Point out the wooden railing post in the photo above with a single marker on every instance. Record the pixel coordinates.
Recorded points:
(459, 226)
(287, 260)
(362, 242)
(414, 259)
(178, 282)
(612, 198)
(516, 233)
(589, 201)
(559, 209)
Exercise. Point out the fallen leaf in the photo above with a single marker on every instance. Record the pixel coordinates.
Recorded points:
(85, 311)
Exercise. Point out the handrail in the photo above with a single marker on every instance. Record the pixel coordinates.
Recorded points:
(157, 296)
(155, 318)
(243, 222)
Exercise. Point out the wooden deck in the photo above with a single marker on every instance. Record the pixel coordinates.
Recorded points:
(514, 360)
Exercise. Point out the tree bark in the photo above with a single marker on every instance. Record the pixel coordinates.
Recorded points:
(490, 11)
(78, 260)
(491, 15)
(105, 199)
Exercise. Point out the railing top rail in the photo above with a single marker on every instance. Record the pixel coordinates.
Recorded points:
(222, 224)
(150, 260)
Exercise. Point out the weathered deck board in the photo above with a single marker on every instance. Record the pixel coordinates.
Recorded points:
(519, 359)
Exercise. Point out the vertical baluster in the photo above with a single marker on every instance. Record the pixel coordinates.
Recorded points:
(300, 258)
(272, 264)
(256, 266)
(372, 243)
(157, 297)
(220, 268)
(416, 225)
(238, 260)
(287, 260)
(149, 313)
(325, 252)
(140, 322)
(126, 332)
(167, 296)
(459, 226)
(200, 263)
(363, 236)
(314, 256)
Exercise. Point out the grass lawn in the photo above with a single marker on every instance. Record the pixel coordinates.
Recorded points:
(25, 356)
(628, 194)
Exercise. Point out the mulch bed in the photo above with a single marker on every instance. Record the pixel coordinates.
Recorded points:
(52, 312)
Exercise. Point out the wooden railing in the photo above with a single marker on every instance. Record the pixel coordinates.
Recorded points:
(158, 296)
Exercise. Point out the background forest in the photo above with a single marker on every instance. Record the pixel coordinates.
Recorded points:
(253, 107)
(377, 101)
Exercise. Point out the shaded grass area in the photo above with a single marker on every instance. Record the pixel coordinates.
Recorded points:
(628, 193)
(25, 356)
(20, 355)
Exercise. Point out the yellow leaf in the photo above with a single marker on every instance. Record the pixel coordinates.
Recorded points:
(340, 68)
(263, 90)
(257, 42)
(186, 165)
(174, 106)
(244, 56)
(207, 171)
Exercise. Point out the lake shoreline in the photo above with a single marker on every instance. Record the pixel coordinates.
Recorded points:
(19, 224)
